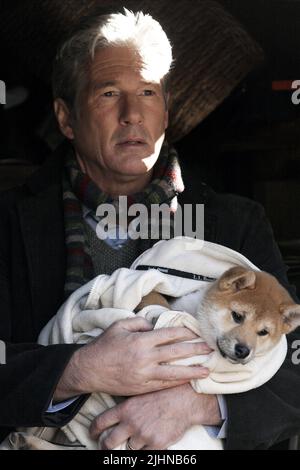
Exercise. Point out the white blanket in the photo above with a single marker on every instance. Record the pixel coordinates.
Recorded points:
(94, 307)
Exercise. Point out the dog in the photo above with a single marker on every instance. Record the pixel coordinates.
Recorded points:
(243, 314)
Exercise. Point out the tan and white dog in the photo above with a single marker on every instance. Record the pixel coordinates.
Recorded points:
(243, 314)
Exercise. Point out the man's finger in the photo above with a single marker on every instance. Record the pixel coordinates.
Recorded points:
(135, 443)
(118, 436)
(181, 373)
(156, 385)
(176, 351)
(105, 420)
(170, 335)
(135, 324)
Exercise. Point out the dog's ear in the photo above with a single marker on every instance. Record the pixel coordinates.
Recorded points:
(291, 317)
(237, 278)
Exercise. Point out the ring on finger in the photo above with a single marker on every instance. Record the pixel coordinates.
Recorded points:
(129, 446)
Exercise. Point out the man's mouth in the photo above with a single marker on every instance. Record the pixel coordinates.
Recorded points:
(132, 141)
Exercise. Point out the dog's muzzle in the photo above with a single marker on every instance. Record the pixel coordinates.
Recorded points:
(240, 354)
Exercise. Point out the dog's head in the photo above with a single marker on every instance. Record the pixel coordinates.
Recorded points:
(245, 313)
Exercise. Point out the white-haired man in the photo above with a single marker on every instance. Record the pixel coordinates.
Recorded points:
(110, 90)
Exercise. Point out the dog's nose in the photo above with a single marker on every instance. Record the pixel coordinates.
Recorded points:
(241, 351)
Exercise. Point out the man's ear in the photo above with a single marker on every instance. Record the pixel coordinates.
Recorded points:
(63, 117)
(236, 279)
(291, 317)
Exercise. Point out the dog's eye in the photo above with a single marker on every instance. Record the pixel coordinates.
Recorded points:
(238, 318)
(263, 333)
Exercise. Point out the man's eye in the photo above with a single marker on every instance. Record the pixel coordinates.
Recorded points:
(109, 94)
(149, 92)
(263, 332)
(237, 317)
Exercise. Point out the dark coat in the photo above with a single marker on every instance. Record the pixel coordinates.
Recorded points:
(32, 274)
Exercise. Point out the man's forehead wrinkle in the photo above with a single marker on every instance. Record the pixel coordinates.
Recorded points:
(112, 72)
(117, 60)
(109, 64)
(117, 79)
(117, 63)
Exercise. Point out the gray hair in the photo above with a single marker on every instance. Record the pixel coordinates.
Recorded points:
(135, 30)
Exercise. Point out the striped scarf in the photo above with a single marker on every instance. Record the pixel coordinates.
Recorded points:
(78, 189)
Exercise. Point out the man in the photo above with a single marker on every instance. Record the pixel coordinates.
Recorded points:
(111, 105)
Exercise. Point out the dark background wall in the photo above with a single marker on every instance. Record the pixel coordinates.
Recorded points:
(251, 144)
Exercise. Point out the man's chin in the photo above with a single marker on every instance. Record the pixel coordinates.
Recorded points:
(135, 169)
(139, 164)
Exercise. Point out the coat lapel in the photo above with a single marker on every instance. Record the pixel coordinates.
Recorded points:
(41, 221)
(197, 192)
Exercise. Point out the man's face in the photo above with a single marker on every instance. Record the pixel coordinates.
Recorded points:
(122, 118)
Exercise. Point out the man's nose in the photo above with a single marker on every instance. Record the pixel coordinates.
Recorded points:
(241, 351)
(131, 112)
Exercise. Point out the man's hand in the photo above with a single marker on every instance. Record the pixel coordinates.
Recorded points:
(156, 420)
(130, 359)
